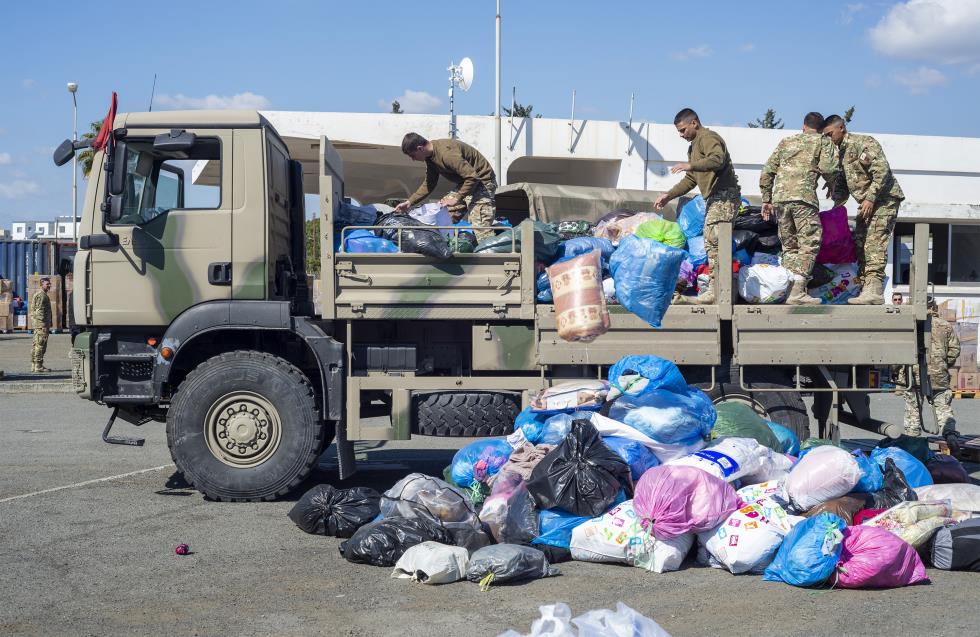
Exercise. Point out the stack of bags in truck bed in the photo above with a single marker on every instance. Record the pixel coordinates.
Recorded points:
(55, 295)
(642, 469)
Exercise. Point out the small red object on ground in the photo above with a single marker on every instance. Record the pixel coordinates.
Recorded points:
(182, 549)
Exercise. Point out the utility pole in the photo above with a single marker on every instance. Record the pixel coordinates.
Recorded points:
(496, 109)
(73, 88)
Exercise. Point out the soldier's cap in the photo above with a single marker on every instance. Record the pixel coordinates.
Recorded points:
(931, 302)
(45, 278)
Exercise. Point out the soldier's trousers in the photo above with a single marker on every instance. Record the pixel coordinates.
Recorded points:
(39, 346)
(871, 239)
(800, 233)
(480, 209)
(942, 398)
(720, 207)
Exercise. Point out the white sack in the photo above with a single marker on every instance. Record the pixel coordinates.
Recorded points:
(433, 563)
(763, 283)
(748, 540)
(963, 496)
(728, 459)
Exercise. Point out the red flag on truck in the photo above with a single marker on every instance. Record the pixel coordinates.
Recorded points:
(103, 137)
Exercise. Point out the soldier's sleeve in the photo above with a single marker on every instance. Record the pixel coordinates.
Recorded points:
(458, 164)
(768, 176)
(682, 187)
(829, 162)
(714, 154)
(952, 347)
(428, 184)
(873, 158)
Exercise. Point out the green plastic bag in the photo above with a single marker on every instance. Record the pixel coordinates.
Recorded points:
(666, 232)
(810, 443)
(546, 242)
(917, 447)
(463, 243)
(737, 420)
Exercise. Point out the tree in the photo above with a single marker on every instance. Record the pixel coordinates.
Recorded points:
(849, 115)
(520, 110)
(313, 246)
(769, 120)
(396, 107)
(86, 157)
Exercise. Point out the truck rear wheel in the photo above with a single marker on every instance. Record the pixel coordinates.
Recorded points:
(466, 413)
(244, 426)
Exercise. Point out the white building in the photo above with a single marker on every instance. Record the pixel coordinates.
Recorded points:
(59, 228)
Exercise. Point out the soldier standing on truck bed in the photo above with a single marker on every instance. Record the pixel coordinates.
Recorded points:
(460, 163)
(41, 321)
(869, 178)
(709, 167)
(789, 180)
(944, 349)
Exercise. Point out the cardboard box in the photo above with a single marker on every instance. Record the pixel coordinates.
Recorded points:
(967, 362)
(969, 381)
(6, 299)
(947, 310)
(954, 377)
(20, 321)
(6, 323)
(966, 331)
(6, 286)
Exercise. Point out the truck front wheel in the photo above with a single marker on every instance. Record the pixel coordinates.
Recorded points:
(244, 426)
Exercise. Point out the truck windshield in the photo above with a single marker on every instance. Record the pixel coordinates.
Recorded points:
(158, 182)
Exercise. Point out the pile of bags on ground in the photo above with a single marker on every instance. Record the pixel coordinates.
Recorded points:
(642, 469)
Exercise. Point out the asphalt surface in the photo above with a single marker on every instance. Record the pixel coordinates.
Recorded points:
(89, 532)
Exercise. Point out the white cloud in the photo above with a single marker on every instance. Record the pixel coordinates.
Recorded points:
(920, 80)
(6, 159)
(19, 188)
(246, 100)
(413, 102)
(747, 47)
(943, 31)
(702, 51)
(850, 10)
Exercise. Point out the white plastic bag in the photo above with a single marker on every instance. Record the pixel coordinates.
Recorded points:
(748, 540)
(824, 473)
(764, 283)
(728, 459)
(432, 563)
(963, 496)
(432, 214)
(623, 622)
(775, 466)
(555, 621)
(608, 427)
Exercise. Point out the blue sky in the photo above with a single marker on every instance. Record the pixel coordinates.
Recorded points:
(909, 67)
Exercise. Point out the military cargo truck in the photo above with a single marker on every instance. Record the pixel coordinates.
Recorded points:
(195, 311)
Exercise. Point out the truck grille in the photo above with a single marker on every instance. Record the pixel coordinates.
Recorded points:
(77, 359)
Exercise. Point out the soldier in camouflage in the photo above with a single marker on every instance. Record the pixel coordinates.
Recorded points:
(709, 167)
(869, 178)
(40, 310)
(460, 163)
(944, 349)
(789, 182)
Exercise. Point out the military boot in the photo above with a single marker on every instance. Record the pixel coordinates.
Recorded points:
(798, 294)
(870, 293)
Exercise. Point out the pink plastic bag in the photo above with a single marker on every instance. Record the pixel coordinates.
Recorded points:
(876, 558)
(675, 499)
(837, 244)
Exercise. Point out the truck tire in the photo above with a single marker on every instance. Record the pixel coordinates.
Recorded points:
(461, 414)
(244, 427)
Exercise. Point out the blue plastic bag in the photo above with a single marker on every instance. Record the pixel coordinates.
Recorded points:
(809, 552)
(872, 477)
(696, 251)
(543, 286)
(789, 440)
(555, 527)
(478, 461)
(367, 241)
(667, 417)
(582, 245)
(742, 256)
(557, 427)
(530, 422)
(691, 218)
(645, 273)
(629, 373)
(915, 472)
(636, 454)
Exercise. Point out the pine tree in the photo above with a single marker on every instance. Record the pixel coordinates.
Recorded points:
(769, 120)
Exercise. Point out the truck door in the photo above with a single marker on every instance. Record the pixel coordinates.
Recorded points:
(174, 233)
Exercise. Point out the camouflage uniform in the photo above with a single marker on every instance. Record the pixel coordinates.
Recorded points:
(869, 178)
(789, 181)
(479, 208)
(943, 351)
(41, 320)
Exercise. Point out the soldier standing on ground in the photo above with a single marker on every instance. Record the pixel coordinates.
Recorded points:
(944, 349)
(869, 178)
(41, 321)
(789, 188)
(460, 163)
(709, 167)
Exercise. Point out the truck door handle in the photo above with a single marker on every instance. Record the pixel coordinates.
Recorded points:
(219, 273)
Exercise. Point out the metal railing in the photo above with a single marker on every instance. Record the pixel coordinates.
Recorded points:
(455, 235)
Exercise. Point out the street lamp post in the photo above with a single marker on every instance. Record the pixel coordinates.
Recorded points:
(73, 88)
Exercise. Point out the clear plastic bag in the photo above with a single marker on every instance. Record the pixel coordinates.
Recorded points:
(509, 512)
(421, 496)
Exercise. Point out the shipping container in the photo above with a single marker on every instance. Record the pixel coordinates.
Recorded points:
(19, 259)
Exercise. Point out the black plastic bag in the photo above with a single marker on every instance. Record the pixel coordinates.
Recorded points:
(581, 475)
(894, 489)
(546, 242)
(431, 243)
(745, 240)
(768, 243)
(381, 543)
(751, 219)
(503, 563)
(324, 510)
(821, 275)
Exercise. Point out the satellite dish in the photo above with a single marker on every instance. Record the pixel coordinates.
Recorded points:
(465, 74)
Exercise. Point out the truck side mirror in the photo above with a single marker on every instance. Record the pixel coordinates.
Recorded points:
(64, 152)
(174, 141)
(117, 180)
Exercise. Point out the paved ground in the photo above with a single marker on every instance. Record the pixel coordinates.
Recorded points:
(15, 363)
(83, 554)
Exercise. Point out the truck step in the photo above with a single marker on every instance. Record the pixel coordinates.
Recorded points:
(128, 398)
(130, 358)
